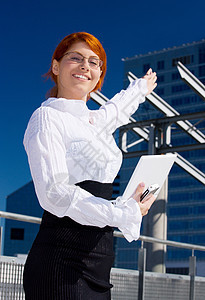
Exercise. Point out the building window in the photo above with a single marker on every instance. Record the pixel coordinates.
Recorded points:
(160, 78)
(185, 60)
(176, 76)
(160, 65)
(202, 71)
(160, 91)
(202, 55)
(179, 88)
(173, 270)
(146, 67)
(184, 100)
(17, 234)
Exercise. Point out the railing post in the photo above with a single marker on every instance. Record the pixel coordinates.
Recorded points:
(151, 144)
(141, 268)
(192, 273)
(0, 238)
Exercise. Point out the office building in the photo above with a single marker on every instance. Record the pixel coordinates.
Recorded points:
(18, 235)
(186, 197)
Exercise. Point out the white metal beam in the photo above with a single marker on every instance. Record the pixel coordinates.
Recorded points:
(191, 169)
(191, 80)
(100, 99)
(169, 111)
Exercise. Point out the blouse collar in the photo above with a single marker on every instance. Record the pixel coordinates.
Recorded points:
(74, 107)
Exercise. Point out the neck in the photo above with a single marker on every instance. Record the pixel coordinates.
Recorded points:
(71, 96)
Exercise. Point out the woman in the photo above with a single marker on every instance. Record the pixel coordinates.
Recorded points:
(74, 159)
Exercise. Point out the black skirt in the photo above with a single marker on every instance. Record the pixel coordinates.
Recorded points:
(70, 261)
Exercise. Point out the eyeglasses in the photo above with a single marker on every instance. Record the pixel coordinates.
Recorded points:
(78, 58)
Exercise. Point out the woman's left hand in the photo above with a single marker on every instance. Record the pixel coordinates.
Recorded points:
(151, 78)
(146, 202)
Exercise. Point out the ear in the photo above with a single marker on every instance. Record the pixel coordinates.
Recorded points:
(55, 67)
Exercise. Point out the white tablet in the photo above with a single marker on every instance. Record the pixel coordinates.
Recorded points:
(151, 169)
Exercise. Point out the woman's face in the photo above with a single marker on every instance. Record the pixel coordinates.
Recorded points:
(76, 80)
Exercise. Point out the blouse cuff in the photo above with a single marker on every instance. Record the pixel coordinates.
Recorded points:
(138, 88)
(143, 87)
(132, 218)
(127, 101)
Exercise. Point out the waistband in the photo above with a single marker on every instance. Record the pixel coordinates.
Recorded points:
(98, 189)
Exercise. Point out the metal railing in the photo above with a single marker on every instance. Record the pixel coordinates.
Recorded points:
(141, 255)
(30, 219)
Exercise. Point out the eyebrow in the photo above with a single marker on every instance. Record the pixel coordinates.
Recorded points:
(95, 56)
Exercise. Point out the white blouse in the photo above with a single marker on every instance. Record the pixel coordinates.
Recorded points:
(67, 143)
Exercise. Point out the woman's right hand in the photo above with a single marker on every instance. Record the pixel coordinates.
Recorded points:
(151, 78)
(146, 202)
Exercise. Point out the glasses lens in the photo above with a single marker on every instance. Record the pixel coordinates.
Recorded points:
(78, 58)
(100, 63)
(94, 62)
(75, 57)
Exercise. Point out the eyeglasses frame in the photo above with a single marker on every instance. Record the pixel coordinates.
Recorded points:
(84, 57)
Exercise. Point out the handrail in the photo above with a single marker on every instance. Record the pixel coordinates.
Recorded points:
(19, 217)
(30, 219)
(165, 242)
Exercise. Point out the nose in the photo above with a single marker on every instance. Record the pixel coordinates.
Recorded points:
(85, 65)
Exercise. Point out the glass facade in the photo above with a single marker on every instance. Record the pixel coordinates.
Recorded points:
(186, 196)
(19, 236)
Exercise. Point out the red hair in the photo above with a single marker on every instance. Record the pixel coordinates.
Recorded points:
(64, 46)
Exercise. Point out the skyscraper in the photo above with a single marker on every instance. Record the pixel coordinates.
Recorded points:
(186, 198)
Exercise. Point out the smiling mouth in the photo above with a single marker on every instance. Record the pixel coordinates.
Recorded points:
(81, 76)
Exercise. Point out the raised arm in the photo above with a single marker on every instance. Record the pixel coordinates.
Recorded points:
(116, 112)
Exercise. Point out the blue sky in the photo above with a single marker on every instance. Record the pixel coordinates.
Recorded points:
(30, 31)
